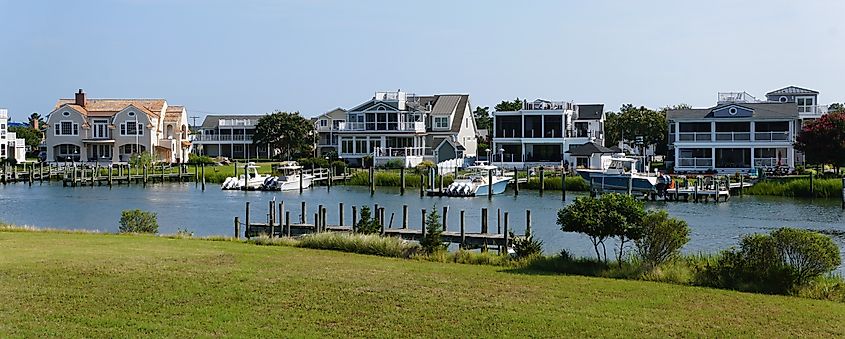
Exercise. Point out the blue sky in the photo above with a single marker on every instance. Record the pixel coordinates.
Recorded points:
(311, 56)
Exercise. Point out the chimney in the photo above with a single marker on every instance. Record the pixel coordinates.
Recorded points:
(80, 98)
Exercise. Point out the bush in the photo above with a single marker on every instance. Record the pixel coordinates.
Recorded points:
(422, 167)
(315, 162)
(367, 224)
(138, 221)
(432, 242)
(776, 263)
(661, 239)
(526, 246)
(358, 243)
(139, 160)
(200, 159)
(339, 167)
(394, 164)
(611, 215)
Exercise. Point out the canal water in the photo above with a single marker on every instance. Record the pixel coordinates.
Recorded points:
(715, 226)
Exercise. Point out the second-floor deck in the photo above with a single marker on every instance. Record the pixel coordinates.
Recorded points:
(414, 127)
(223, 137)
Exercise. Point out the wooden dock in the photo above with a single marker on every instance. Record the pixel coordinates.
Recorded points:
(274, 225)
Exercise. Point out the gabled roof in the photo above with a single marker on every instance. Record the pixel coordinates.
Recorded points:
(588, 149)
(445, 104)
(590, 112)
(173, 113)
(792, 90)
(337, 113)
(104, 107)
(760, 110)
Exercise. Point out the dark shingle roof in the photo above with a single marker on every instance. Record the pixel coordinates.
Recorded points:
(588, 149)
(791, 90)
(761, 110)
(590, 112)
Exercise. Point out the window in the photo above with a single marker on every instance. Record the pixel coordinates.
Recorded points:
(323, 122)
(783, 99)
(101, 129)
(441, 122)
(131, 128)
(67, 114)
(732, 111)
(346, 146)
(66, 128)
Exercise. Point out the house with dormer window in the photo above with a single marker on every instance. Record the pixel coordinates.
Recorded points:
(741, 132)
(109, 131)
(409, 128)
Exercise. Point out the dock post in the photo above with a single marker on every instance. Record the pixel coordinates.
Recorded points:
(301, 174)
(484, 220)
(111, 170)
(354, 219)
(318, 222)
(377, 214)
(630, 184)
(542, 180)
(489, 185)
(422, 225)
(331, 175)
(440, 175)
(281, 213)
(162, 172)
(31, 173)
(402, 180)
(381, 220)
(562, 184)
(372, 180)
(498, 220)
(287, 223)
(246, 227)
(404, 217)
(515, 181)
(527, 221)
(145, 175)
(340, 214)
(196, 175)
(812, 186)
(445, 214)
(741, 183)
(843, 193)
(422, 185)
(302, 213)
(463, 232)
(323, 216)
(73, 183)
(41, 172)
(695, 191)
(203, 176)
(505, 235)
(271, 216)
(237, 228)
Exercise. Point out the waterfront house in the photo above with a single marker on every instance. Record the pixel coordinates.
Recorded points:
(408, 128)
(112, 130)
(741, 132)
(11, 147)
(542, 132)
(327, 125)
(229, 136)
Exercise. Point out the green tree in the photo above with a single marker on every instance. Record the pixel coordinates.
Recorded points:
(36, 122)
(31, 137)
(809, 254)
(611, 215)
(367, 224)
(433, 240)
(505, 105)
(482, 117)
(836, 108)
(823, 140)
(139, 160)
(662, 238)
(632, 122)
(288, 134)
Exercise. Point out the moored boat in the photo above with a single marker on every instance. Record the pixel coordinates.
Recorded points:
(250, 180)
(478, 182)
(618, 175)
(289, 180)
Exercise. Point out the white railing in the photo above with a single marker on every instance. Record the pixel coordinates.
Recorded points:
(733, 136)
(4, 113)
(695, 162)
(694, 136)
(771, 136)
(736, 97)
(383, 126)
(547, 105)
(236, 122)
(812, 111)
(400, 151)
(767, 162)
(223, 137)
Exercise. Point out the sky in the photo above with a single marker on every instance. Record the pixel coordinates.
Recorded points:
(251, 57)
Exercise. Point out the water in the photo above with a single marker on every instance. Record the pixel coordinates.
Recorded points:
(184, 206)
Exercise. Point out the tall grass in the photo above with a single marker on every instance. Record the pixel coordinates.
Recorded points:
(359, 243)
(573, 183)
(823, 188)
(392, 178)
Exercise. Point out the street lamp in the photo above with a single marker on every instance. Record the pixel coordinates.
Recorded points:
(502, 156)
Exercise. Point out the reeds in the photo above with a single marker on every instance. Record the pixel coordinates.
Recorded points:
(822, 188)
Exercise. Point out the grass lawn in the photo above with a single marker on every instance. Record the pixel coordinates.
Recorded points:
(58, 284)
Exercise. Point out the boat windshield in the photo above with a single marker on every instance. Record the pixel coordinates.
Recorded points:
(622, 165)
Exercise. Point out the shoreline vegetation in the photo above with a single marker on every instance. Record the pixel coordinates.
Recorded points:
(96, 284)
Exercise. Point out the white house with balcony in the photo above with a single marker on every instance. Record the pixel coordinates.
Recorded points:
(543, 132)
(11, 147)
(327, 125)
(408, 128)
(229, 136)
(742, 132)
(112, 130)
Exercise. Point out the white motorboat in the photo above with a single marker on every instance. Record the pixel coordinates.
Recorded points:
(290, 178)
(250, 180)
(618, 175)
(478, 183)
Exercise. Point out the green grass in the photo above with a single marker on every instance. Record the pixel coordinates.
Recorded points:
(573, 183)
(823, 188)
(101, 285)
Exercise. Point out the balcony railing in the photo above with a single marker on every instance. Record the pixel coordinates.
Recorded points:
(812, 111)
(726, 97)
(223, 137)
(383, 126)
(401, 152)
(515, 133)
(235, 122)
(771, 136)
(547, 105)
(768, 162)
(694, 136)
(696, 162)
(733, 136)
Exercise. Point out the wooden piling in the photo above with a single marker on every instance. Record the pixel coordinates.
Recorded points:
(354, 219)
(527, 222)
(515, 181)
(340, 214)
(741, 184)
(246, 227)
(563, 184)
(422, 224)
(41, 172)
(372, 180)
(301, 173)
(404, 217)
(270, 216)
(630, 184)
(237, 228)
(506, 235)
(463, 232)
(287, 223)
(484, 220)
(498, 220)
(843, 193)
(111, 169)
(422, 185)
(281, 213)
(402, 180)
(324, 222)
(489, 185)
(812, 186)
(444, 217)
(145, 175)
(542, 180)
(302, 212)
(203, 177)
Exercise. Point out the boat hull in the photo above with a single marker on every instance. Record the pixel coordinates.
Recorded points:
(619, 182)
(291, 185)
(499, 187)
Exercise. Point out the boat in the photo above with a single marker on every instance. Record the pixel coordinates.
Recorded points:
(290, 179)
(477, 182)
(250, 180)
(617, 175)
